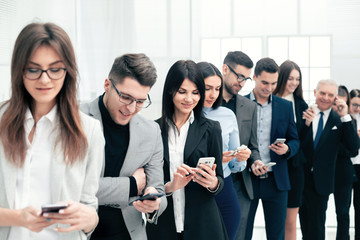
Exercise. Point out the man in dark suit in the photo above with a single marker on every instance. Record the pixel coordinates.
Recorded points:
(275, 120)
(326, 130)
(236, 70)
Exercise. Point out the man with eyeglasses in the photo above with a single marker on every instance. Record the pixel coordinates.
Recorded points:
(236, 71)
(133, 150)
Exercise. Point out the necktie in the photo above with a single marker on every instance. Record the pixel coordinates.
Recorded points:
(319, 129)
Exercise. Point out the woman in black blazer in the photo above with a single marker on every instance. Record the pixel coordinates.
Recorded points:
(344, 179)
(289, 87)
(354, 109)
(187, 135)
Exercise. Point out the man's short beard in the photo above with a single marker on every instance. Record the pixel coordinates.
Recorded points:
(230, 90)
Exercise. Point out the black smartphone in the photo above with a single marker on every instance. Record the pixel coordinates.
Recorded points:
(150, 196)
(52, 208)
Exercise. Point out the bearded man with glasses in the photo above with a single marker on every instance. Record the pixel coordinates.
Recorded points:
(236, 71)
(133, 150)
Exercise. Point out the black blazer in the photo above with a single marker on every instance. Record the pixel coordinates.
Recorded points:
(344, 171)
(322, 159)
(202, 216)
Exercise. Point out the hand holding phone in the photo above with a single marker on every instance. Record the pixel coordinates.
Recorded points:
(150, 196)
(52, 208)
(238, 149)
(269, 164)
(279, 140)
(209, 161)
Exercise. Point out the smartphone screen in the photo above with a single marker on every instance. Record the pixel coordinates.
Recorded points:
(206, 160)
(52, 208)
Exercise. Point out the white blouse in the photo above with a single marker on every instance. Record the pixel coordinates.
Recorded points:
(176, 141)
(33, 185)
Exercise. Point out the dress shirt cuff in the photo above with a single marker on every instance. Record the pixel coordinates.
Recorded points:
(346, 118)
(133, 187)
(236, 166)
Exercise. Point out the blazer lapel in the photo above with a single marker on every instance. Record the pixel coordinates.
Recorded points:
(196, 131)
(130, 158)
(274, 118)
(9, 172)
(239, 110)
(95, 111)
(325, 133)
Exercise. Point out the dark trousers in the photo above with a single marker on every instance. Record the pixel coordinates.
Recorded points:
(274, 204)
(229, 207)
(342, 197)
(312, 213)
(356, 202)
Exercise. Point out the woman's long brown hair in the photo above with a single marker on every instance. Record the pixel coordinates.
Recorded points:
(71, 137)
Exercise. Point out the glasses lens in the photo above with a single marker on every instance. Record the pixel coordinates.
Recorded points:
(32, 73)
(53, 73)
(126, 99)
(143, 104)
(56, 73)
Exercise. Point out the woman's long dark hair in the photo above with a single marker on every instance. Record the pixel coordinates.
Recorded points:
(284, 73)
(208, 70)
(12, 133)
(179, 71)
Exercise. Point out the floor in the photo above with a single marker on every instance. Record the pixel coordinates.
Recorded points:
(259, 225)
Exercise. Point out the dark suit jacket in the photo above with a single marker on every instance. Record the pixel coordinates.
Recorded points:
(246, 115)
(282, 126)
(322, 160)
(202, 217)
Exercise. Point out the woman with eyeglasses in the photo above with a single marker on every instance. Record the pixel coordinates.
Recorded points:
(344, 179)
(289, 87)
(50, 153)
(354, 110)
(232, 162)
(187, 135)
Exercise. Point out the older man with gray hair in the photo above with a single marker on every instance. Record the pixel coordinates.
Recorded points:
(326, 130)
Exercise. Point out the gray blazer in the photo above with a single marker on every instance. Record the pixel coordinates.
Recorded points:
(78, 183)
(145, 150)
(246, 115)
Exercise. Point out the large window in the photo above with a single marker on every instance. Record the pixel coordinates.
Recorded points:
(311, 53)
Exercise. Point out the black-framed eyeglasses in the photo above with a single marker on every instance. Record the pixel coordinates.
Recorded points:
(240, 77)
(355, 105)
(140, 103)
(53, 73)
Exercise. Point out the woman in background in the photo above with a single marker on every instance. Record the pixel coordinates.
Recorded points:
(354, 110)
(290, 87)
(187, 135)
(344, 179)
(49, 151)
(226, 200)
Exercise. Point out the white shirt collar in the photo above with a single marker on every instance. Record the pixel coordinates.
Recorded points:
(190, 119)
(51, 116)
(326, 112)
